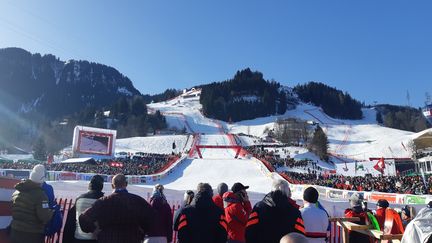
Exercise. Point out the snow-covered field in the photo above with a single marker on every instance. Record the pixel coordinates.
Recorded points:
(154, 144)
(357, 139)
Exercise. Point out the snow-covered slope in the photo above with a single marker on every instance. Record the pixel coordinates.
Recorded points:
(349, 140)
(356, 139)
(154, 144)
(214, 171)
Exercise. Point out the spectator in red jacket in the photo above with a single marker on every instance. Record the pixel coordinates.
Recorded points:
(217, 199)
(121, 217)
(381, 214)
(382, 205)
(237, 212)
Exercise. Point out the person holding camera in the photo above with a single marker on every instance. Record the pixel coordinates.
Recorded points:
(237, 212)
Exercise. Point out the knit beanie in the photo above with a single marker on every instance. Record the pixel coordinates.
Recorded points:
(383, 203)
(222, 188)
(38, 174)
(188, 196)
(310, 195)
(356, 200)
(96, 183)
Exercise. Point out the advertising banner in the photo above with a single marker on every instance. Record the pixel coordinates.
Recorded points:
(350, 193)
(67, 176)
(322, 191)
(18, 174)
(335, 194)
(84, 177)
(391, 198)
(414, 199)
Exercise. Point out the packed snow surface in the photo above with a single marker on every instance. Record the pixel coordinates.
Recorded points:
(154, 144)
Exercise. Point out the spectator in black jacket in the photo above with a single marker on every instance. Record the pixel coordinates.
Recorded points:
(72, 232)
(202, 221)
(187, 200)
(274, 216)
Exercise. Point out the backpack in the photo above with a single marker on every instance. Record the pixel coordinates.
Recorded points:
(56, 222)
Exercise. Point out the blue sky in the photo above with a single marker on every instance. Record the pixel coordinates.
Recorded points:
(375, 50)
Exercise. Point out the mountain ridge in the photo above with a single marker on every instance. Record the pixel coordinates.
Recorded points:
(56, 87)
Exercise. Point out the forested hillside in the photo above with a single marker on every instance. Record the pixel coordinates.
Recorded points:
(334, 102)
(246, 96)
(401, 117)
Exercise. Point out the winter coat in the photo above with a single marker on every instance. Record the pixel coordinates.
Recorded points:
(381, 218)
(25, 237)
(420, 228)
(357, 211)
(316, 223)
(272, 218)
(202, 221)
(164, 218)
(217, 199)
(30, 208)
(293, 203)
(71, 222)
(236, 214)
(121, 216)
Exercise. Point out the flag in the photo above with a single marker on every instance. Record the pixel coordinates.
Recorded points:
(359, 167)
(424, 178)
(403, 145)
(380, 165)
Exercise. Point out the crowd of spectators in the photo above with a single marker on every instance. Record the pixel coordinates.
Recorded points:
(315, 176)
(277, 161)
(143, 164)
(390, 184)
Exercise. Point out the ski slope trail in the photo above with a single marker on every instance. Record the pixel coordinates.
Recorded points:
(217, 164)
(184, 111)
(214, 171)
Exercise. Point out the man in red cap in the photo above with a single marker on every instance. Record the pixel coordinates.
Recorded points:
(237, 212)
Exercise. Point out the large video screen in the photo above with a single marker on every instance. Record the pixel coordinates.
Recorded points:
(94, 143)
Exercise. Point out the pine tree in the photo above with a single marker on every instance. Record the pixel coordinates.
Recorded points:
(319, 144)
(138, 106)
(379, 118)
(39, 150)
(282, 103)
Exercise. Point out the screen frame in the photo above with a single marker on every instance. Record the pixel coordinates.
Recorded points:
(97, 134)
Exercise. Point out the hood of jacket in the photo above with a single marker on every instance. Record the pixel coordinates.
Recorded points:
(276, 199)
(27, 185)
(158, 202)
(230, 198)
(203, 200)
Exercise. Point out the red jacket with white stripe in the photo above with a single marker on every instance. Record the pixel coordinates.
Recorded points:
(236, 214)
